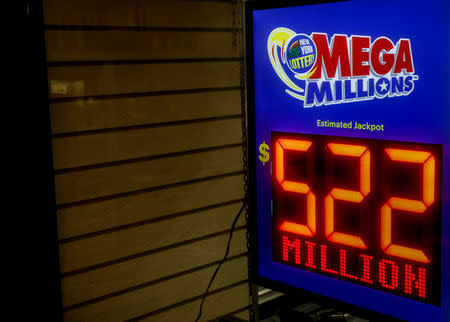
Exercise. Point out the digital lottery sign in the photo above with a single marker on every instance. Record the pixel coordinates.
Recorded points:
(349, 152)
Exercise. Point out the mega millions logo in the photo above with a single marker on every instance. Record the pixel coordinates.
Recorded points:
(321, 71)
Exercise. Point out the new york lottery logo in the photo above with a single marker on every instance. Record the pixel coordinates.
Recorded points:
(321, 71)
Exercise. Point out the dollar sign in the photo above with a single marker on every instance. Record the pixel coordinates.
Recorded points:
(263, 149)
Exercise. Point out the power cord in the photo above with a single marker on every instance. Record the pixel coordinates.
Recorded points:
(221, 262)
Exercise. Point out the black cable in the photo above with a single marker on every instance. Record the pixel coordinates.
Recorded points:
(221, 262)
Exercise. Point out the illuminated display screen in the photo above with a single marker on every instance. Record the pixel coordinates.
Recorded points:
(349, 153)
(362, 210)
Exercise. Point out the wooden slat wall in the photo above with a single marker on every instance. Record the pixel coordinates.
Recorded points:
(145, 114)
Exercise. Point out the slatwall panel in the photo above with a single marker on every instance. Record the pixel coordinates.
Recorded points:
(145, 114)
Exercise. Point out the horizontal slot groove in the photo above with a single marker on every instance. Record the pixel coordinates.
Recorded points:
(138, 191)
(142, 254)
(167, 308)
(138, 28)
(143, 94)
(149, 221)
(141, 159)
(146, 284)
(235, 312)
(146, 126)
(141, 61)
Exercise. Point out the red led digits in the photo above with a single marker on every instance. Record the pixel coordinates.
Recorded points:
(416, 206)
(322, 244)
(343, 265)
(323, 260)
(310, 254)
(366, 268)
(287, 245)
(347, 195)
(296, 145)
(419, 281)
(382, 274)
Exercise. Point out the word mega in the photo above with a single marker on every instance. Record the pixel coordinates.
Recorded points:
(342, 69)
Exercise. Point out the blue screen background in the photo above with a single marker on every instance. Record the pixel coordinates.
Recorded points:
(422, 116)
